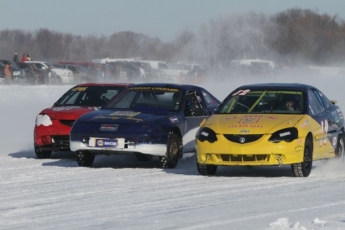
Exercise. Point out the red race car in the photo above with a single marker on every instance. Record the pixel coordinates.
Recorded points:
(53, 125)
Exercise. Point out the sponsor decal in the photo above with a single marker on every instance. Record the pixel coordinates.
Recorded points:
(104, 117)
(124, 113)
(109, 127)
(334, 141)
(249, 120)
(305, 123)
(231, 118)
(241, 92)
(244, 131)
(173, 119)
(341, 116)
(324, 127)
(335, 116)
(79, 89)
(165, 89)
(65, 108)
(245, 126)
(106, 143)
(272, 117)
(133, 119)
(298, 148)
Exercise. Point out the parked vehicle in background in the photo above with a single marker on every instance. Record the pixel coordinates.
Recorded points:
(60, 76)
(168, 74)
(52, 126)
(195, 72)
(271, 125)
(80, 73)
(18, 74)
(109, 60)
(36, 76)
(146, 120)
(95, 69)
(251, 66)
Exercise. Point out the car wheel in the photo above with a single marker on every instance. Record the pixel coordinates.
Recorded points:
(143, 157)
(85, 158)
(206, 170)
(42, 154)
(303, 169)
(173, 151)
(340, 151)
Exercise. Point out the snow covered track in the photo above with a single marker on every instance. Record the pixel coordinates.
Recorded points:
(122, 193)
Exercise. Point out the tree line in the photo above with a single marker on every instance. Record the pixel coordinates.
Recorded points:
(288, 37)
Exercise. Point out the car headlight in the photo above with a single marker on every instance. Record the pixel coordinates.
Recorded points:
(43, 119)
(288, 135)
(206, 134)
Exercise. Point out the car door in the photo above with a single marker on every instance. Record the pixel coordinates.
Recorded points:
(333, 119)
(322, 135)
(196, 109)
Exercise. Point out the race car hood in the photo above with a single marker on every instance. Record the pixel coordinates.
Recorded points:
(122, 116)
(251, 123)
(67, 112)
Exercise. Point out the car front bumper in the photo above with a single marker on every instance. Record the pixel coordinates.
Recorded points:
(261, 152)
(54, 137)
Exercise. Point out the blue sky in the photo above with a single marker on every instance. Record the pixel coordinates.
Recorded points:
(157, 18)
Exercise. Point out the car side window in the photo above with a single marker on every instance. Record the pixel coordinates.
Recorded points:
(38, 66)
(73, 69)
(161, 65)
(193, 105)
(315, 104)
(324, 99)
(210, 101)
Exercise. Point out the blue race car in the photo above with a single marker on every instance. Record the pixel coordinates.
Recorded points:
(149, 119)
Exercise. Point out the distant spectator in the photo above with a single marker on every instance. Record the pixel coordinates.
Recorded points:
(28, 58)
(8, 74)
(15, 58)
(24, 59)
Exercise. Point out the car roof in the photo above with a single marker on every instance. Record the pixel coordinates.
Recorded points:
(296, 86)
(104, 84)
(171, 85)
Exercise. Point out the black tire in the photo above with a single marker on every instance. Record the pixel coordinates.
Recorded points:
(85, 159)
(174, 150)
(303, 169)
(340, 151)
(206, 170)
(143, 157)
(42, 154)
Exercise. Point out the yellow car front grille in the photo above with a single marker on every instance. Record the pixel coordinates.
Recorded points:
(245, 158)
(238, 138)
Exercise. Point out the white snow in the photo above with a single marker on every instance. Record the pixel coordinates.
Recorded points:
(119, 192)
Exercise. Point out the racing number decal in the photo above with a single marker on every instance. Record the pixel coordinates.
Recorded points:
(324, 127)
(79, 89)
(241, 92)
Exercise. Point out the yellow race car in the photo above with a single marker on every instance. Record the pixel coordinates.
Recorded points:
(271, 124)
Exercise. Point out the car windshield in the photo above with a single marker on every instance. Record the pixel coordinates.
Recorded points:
(48, 64)
(263, 101)
(165, 98)
(88, 96)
